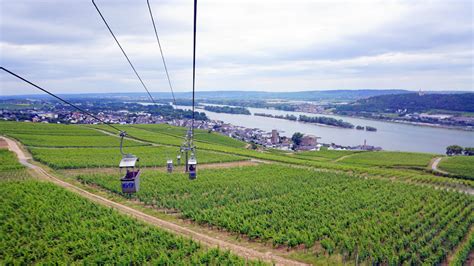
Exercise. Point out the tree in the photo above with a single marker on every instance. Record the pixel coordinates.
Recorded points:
(469, 151)
(454, 150)
(296, 138)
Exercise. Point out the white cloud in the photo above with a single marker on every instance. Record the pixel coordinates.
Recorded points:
(259, 45)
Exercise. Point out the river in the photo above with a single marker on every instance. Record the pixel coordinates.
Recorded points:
(389, 135)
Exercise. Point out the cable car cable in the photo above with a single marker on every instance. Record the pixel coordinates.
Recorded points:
(59, 98)
(188, 144)
(131, 181)
(192, 163)
(123, 51)
(161, 50)
(165, 66)
(194, 62)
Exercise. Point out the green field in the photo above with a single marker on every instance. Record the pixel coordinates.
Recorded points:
(343, 204)
(459, 165)
(72, 141)
(46, 129)
(41, 223)
(362, 163)
(10, 168)
(171, 135)
(390, 159)
(324, 155)
(375, 220)
(199, 135)
(19, 106)
(67, 158)
(8, 161)
(58, 147)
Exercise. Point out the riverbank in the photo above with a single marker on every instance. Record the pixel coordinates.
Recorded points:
(470, 129)
(389, 135)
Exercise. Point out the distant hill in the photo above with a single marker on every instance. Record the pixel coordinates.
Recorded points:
(300, 95)
(413, 102)
(346, 95)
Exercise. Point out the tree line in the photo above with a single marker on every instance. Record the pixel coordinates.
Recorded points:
(227, 109)
(412, 102)
(326, 121)
(458, 150)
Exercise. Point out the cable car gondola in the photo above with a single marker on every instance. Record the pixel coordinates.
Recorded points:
(192, 163)
(169, 166)
(178, 158)
(131, 180)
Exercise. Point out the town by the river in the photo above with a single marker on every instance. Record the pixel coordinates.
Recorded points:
(389, 135)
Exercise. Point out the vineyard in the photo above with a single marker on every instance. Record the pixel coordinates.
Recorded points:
(373, 220)
(10, 168)
(363, 164)
(71, 141)
(59, 147)
(390, 159)
(383, 161)
(171, 135)
(8, 161)
(200, 135)
(112, 153)
(46, 129)
(323, 154)
(462, 166)
(462, 255)
(366, 206)
(41, 223)
(68, 158)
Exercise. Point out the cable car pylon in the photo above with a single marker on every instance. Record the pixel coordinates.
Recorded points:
(186, 148)
(192, 162)
(188, 144)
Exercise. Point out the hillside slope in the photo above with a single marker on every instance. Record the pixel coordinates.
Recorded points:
(413, 102)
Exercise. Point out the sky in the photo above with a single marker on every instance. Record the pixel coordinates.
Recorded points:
(266, 45)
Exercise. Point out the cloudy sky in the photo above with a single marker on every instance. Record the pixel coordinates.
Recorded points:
(272, 45)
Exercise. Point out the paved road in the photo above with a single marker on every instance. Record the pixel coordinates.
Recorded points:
(242, 251)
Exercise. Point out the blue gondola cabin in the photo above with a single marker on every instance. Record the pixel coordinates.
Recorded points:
(192, 164)
(131, 180)
(169, 166)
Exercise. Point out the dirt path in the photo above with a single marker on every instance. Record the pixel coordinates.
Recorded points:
(434, 165)
(344, 157)
(3, 144)
(179, 169)
(129, 138)
(169, 226)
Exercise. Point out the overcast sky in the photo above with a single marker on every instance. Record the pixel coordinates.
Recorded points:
(272, 45)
